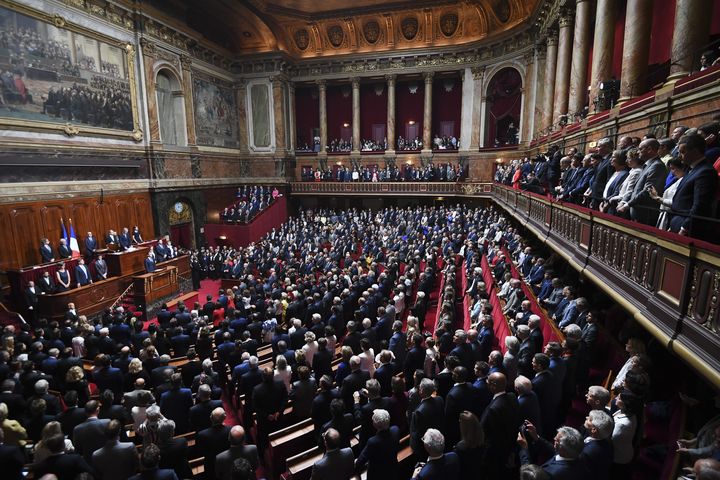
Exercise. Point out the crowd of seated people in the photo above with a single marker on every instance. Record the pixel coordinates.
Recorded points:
(391, 173)
(409, 145)
(670, 183)
(251, 201)
(370, 145)
(445, 142)
(325, 278)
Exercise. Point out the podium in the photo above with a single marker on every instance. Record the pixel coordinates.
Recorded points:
(127, 262)
(150, 287)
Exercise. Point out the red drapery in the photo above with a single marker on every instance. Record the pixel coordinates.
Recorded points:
(307, 114)
(619, 37)
(242, 235)
(373, 108)
(504, 100)
(409, 106)
(181, 235)
(339, 110)
(446, 104)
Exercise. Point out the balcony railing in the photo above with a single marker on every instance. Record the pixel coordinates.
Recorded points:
(669, 283)
(392, 188)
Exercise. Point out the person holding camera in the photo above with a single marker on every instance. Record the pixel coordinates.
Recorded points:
(564, 463)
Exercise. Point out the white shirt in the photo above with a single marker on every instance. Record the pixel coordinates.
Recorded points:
(622, 437)
(367, 361)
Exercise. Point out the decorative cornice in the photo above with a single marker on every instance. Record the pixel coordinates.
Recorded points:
(148, 48)
(390, 78)
(478, 72)
(186, 61)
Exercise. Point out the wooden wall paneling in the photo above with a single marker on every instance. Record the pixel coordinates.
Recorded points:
(144, 218)
(106, 218)
(9, 252)
(27, 230)
(124, 210)
(50, 215)
(83, 220)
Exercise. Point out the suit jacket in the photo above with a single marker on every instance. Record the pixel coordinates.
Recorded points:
(149, 265)
(124, 241)
(602, 175)
(46, 287)
(269, 398)
(89, 436)
(116, 460)
(334, 465)
(209, 443)
(155, 474)
(695, 196)
(90, 246)
(64, 251)
(644, 209)
(460, 398)
(31, 297)
(175, 405)
(530, 409)
(200, 414)
(351, 384)
(302, 395)
(174, 456)
(548, 395)
(224, 460)
(380, 453)
(561, 469)
(428, 414)
(597, 456)
(446, 467)
(101, 269)
(12, 461)
(501, 421)
(536, 338)
(46, 252)
(66, 466)
(82, 276)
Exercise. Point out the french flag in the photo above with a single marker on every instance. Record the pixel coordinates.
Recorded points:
(73, 243)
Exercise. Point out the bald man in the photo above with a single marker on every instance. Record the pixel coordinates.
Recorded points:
(213, 441)
(501, 421)
(337, 463)
(238, 449)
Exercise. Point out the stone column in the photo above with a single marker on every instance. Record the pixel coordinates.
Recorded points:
(549, 90)
(540, 88)
(390, 131)
(478, 74)
(322, 103)
(148, 53)
(277, 90)
(186, 63)
(692, 28)
(580, 53)
(427, 112)
(562, 73)
(291, 116)
(603, 45)
(636, 48)
(528, 100)
(356, 116)
(241, 98)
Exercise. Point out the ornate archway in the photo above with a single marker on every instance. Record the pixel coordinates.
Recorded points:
(503, 99)
(182, 224)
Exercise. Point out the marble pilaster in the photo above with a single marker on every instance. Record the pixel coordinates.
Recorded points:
(149, 51)
(277, 91)
(291, 115)
(466, 109)
(390, 113)
(603, 44)
(322, 103)
(550, 67)
(478, 121)
(539, 88)
(690, 34)
(186, 63)
(562, 73)
(356, 116)
(427, 112)
(240, 96)
(580, 53)
(636, 48)
(528, 98)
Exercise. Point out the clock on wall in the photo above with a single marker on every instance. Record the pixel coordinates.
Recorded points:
(179, 207)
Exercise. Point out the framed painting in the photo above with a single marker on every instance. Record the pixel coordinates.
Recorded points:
(216, 113)
(56, 76)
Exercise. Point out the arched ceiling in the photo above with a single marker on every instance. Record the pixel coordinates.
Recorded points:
(322, 28)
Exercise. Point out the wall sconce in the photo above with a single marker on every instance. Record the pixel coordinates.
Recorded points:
(222, 237)
(411, 122)
(346, 125)
(498, 161)
(339, 164)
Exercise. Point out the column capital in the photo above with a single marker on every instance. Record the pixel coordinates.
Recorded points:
(552, 39)
(148, 47)
(278, 80)
(355, 82)
(478, 72)
(428, 76)
(185, 61)
(566, 18)
(322, 83)
(529, 58)
(391, 78)
(240, 84)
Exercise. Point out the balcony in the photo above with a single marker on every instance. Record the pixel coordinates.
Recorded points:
(669, 283)
(474, 189)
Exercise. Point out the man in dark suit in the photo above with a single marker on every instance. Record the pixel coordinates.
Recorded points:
(269, 399)
(337, 463)
(90, 245)
(564, 463)
(82, 274)
(526, 351)
(501, 421)
(62, 465)
(125, 240)
(642, 207)
(696, 192)
(101, 269)
(353, 382)
(536, 335)
(63, 250)
(528, 402)
(149, 263)
(15, 402)
(428, 414)
(462, 396)
(415, 358)
(164, 316)
(106, 376)
(321, 403)
(111, 238)
(11, 459)
(46, 284)
(46, 251)
(363, 413)
(90, 435)
(547, 392)
(212, 441)
(602, 172)
(597, 452)
(31, 298)
(200, 412)
(302, 394)
(380, 452)
(384, 373)
(439, 466)
(175, 404)
(116, 460)
(238, 449)
(149, 466)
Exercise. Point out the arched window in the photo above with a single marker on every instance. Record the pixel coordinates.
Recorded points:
(171, 116)
(503, 101)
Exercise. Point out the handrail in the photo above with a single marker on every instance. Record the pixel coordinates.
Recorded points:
(122, 295)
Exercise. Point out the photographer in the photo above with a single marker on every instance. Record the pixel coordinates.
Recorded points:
(565, 451)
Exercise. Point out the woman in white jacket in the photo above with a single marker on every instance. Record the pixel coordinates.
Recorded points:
(625, 434)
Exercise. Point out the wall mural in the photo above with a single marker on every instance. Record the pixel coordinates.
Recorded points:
(55, 73)
(216, 113)
(260, 111)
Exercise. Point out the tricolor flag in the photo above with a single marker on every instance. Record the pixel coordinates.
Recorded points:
(73, 243)
(64, 231)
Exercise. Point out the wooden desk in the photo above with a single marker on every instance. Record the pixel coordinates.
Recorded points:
(182, 263)
(127, 262)
(89, 300)
(153, 286)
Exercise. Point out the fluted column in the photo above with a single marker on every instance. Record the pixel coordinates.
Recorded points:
(636, 48)
(477, 120)
(528, 98)
(186, 64)
(356, 115)
(540, 88)
(390, 113)
(149, 52)
(692, 28)
(603, 43)
(291, 116)
(562, 73)
(322, 103)
(241, 96)
(580, 53)
(427, 112)
(550, 66)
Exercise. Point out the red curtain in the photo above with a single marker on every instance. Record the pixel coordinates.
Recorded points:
(373, 107)
(715, 25)
(181, 235)
(504, 100)
(446, 104)
(409, 106)
(619, 37)
(339, 110)
(307, 115)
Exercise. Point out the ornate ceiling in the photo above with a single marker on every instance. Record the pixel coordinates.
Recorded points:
(321, 28)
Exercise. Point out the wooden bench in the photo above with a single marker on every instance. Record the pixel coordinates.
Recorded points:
(188, 299)
(290, 441)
